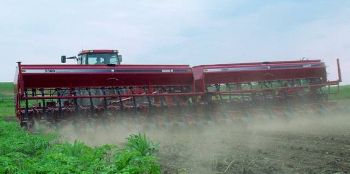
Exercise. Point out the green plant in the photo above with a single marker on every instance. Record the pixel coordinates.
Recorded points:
(137, 156)
(140, 143)
(25, 152)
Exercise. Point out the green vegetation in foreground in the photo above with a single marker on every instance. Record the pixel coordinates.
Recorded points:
(7, 108)
(24, 152)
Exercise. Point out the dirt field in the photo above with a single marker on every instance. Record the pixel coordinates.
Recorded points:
(297, 141)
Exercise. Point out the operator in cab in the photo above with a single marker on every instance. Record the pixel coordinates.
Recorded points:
(99, 61)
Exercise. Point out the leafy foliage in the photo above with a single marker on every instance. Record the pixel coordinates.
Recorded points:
(24, 152)
(137, 156)
(141, 144)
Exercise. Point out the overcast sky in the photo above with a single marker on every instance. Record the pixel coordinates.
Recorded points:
(176, 31)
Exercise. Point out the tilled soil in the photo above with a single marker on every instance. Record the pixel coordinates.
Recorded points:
(295, 141)
(302, 144)
(262, 152)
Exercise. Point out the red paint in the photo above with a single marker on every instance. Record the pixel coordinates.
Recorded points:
(196, 78)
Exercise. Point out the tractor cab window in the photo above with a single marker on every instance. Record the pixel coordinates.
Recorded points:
(101, 59)
(96, 60)
(113, 59)
(82, 59)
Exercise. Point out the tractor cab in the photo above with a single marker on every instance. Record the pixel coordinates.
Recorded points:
(96, 57)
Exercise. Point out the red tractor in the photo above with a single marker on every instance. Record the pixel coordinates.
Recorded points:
(98, 82)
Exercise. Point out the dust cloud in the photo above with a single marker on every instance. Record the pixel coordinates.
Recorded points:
(260, 140)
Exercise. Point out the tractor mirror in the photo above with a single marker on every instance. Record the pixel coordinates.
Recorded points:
(120, 58)
(63, 59)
